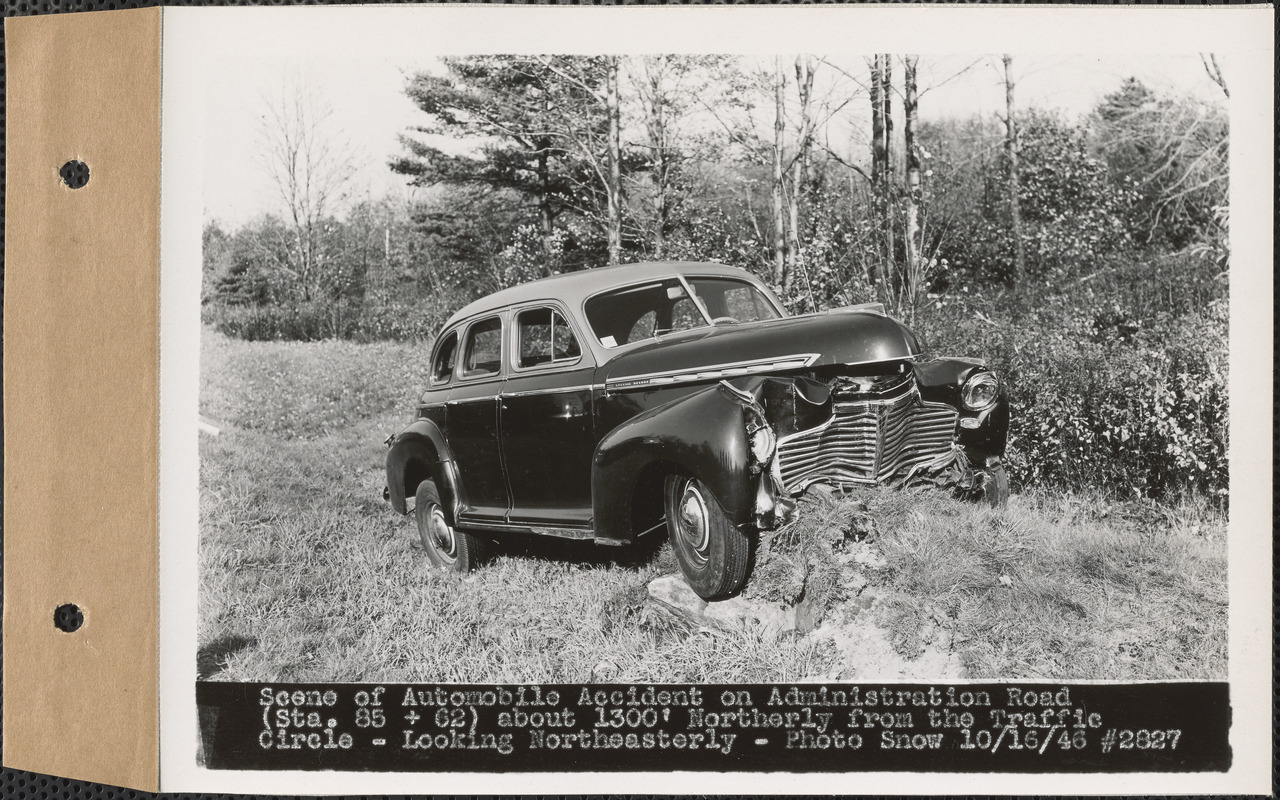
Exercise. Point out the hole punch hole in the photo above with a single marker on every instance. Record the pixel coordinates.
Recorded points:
(68, 618)
(75, 174)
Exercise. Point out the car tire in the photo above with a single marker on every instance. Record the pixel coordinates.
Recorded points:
(447, 547)
(714, 554)
(995, 486)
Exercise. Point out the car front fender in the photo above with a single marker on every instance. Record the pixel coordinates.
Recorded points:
(418, 453)
(702, 434)
(982, 434)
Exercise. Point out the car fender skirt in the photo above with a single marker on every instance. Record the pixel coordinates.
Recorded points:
(701, 434)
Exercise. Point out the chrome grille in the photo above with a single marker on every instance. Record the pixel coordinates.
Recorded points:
(868, 441)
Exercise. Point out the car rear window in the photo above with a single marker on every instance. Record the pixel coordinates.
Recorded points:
(446, 354)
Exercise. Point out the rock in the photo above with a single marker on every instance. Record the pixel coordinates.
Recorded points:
(776, 622)
(672, 593)
(604, 672)
(861, 525)
(731, 613)
(807, 616)
(869, 557)
(856, 582)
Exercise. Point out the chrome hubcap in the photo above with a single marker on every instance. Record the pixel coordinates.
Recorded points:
(692, 523)
(441, 534)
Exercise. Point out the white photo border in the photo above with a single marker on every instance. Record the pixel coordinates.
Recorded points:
(195, 40)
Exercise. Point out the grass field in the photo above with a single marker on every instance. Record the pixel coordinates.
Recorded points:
(307, 575)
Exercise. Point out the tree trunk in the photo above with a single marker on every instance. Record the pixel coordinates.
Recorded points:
(910, 103)
(878, 154)
(546, 220)
(656, 127)
(1011, 155)
(614, 192)
(886, 99)
(804, 87)
(881, 172)
(779, 223)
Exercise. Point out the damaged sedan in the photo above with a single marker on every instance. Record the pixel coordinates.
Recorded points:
(614, 403)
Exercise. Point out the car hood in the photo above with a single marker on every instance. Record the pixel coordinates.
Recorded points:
(840, 336)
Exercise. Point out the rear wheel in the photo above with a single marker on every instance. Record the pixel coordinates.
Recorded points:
(713, 554)
(447, 547)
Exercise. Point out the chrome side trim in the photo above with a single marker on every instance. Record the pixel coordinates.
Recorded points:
(713, 372)
(586, 387)
(496, 526)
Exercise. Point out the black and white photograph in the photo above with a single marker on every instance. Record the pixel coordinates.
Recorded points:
(615, 364)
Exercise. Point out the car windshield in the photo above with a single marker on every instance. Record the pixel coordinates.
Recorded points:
(661, 307)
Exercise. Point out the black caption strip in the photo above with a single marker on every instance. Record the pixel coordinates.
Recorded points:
(1157, 727)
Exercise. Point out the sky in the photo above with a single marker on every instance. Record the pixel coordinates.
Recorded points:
(363, 83)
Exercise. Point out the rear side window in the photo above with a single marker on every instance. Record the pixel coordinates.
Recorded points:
(446, 354)
(484, 349)
(545, 339)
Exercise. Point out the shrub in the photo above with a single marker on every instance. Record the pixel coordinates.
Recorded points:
(309, 322)
(1103, 397)
(1072, 213)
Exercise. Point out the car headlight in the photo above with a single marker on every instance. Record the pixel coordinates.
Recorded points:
(979, 392)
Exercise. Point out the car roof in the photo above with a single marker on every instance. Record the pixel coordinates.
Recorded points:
(572, 288)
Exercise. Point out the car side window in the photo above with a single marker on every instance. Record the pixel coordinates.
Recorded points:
(483, 354)
(545, 338)
(446, 355)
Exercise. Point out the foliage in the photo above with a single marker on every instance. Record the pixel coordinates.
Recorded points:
(1073, 213)
(1116, 390)
(343, 319)
(1173, 151)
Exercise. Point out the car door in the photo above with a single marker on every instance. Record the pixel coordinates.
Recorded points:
(472, 414)
(546, 420)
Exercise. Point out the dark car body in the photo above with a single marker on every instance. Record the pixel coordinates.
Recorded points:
(578, 438)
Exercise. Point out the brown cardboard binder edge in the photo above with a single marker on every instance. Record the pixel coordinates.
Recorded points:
(81, 396)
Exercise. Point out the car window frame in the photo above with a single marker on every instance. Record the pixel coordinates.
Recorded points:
(684, 281)
(460, 373)
(446, 381)
(513, 359)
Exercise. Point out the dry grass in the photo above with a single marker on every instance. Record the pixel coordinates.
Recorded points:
(306, 575)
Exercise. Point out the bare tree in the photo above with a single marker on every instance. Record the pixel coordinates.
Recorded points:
(779, 131)
(913, 272)
(613, 192)
(312, 169)
(882, 157)
(1210, 62)
(583, 118)
(799, 169)
(653, 91)
(1011, 176)
(668, 88)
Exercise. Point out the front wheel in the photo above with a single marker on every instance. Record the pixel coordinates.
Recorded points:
(446, 547)
(713, 554)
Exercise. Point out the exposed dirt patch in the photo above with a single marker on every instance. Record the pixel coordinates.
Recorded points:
(874, 634)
